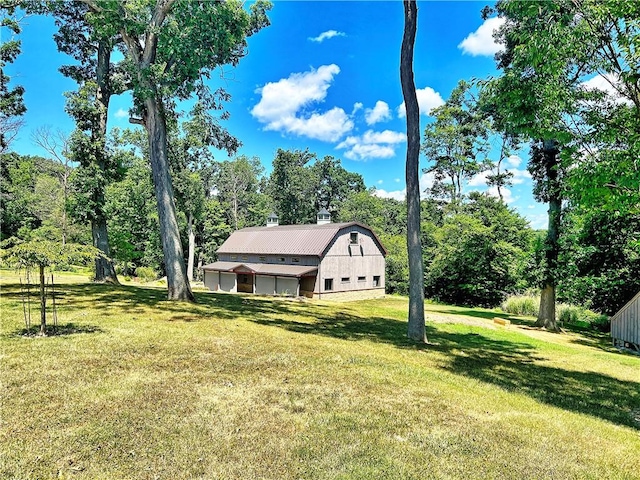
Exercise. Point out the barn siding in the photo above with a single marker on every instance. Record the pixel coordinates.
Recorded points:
(625, 325)
(344, 260)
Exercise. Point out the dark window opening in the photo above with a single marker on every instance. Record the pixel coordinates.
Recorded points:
(361, 279)
(295, 260)
(345, 279)
(281, 259)
(376, 280)
(328, 283)
(353, 238)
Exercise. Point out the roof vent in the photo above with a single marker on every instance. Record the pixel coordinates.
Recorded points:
(272, 220)
(323, 217)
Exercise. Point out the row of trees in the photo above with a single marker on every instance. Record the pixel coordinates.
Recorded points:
(474, 252)
(584, 147)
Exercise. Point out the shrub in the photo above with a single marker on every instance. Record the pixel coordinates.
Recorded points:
(521, 305)
(146, 274)
(565, 313)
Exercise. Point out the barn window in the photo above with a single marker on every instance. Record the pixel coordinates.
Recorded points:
(376, 280)
(345, 279)
(353, 238)
(262, 259)
(244, 257)
(362, 279)
(234, 257)
(281, 259)
(328, 283)
(295, 260)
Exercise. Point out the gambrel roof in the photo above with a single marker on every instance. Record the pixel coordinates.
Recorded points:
(288, 239)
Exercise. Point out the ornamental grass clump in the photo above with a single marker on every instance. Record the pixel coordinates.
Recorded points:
(521, 305)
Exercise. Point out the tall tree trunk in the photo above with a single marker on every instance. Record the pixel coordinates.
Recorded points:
(105, 271)
(192, 248)
(43, 303)
(104, 266)
(547, 310)
(177, 281)
(416, 325)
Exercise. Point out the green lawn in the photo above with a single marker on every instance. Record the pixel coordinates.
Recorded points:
(242, 387)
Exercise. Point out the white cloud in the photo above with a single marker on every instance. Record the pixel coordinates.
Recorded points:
(327, 35)
(479, 180)
(514, 160)
(520, 176)
(396, 194)
(608, 83)
(121, 113)
(428, 99)
(507, 196)
(371, 145)
(283, 106)
(379, 113)
(481, 42)
(397, 180)
(356, 106)
(426, 182)
(538, 221)
(380, 182)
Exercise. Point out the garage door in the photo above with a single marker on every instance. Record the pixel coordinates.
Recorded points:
(287, 286)
(211, 280)
(265, 285)
(228, 282)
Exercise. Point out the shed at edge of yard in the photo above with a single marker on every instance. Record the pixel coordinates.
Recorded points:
(625, 325)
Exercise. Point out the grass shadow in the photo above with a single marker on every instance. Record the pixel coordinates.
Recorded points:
(507, 364)
(510, 365)
(56, 330)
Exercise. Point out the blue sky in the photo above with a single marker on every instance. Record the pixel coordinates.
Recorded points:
(323, 76)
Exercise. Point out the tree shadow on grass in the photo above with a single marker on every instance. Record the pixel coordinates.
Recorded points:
(57, 330)
(137, 300)
(510, 365)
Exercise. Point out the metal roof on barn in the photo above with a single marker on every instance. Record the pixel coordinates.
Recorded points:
(288, 239)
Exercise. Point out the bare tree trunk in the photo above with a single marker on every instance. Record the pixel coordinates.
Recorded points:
(177, 281)
(199, 271)
(416, 325)
(43, 304)
(105, 271)
(192, 248)
(547, 310)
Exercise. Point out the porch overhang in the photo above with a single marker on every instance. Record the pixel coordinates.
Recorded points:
(263, 269)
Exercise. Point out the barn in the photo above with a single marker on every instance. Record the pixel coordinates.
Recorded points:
(325, 260)
(625, 325)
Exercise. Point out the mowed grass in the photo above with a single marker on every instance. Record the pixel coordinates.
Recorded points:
(132, 386)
